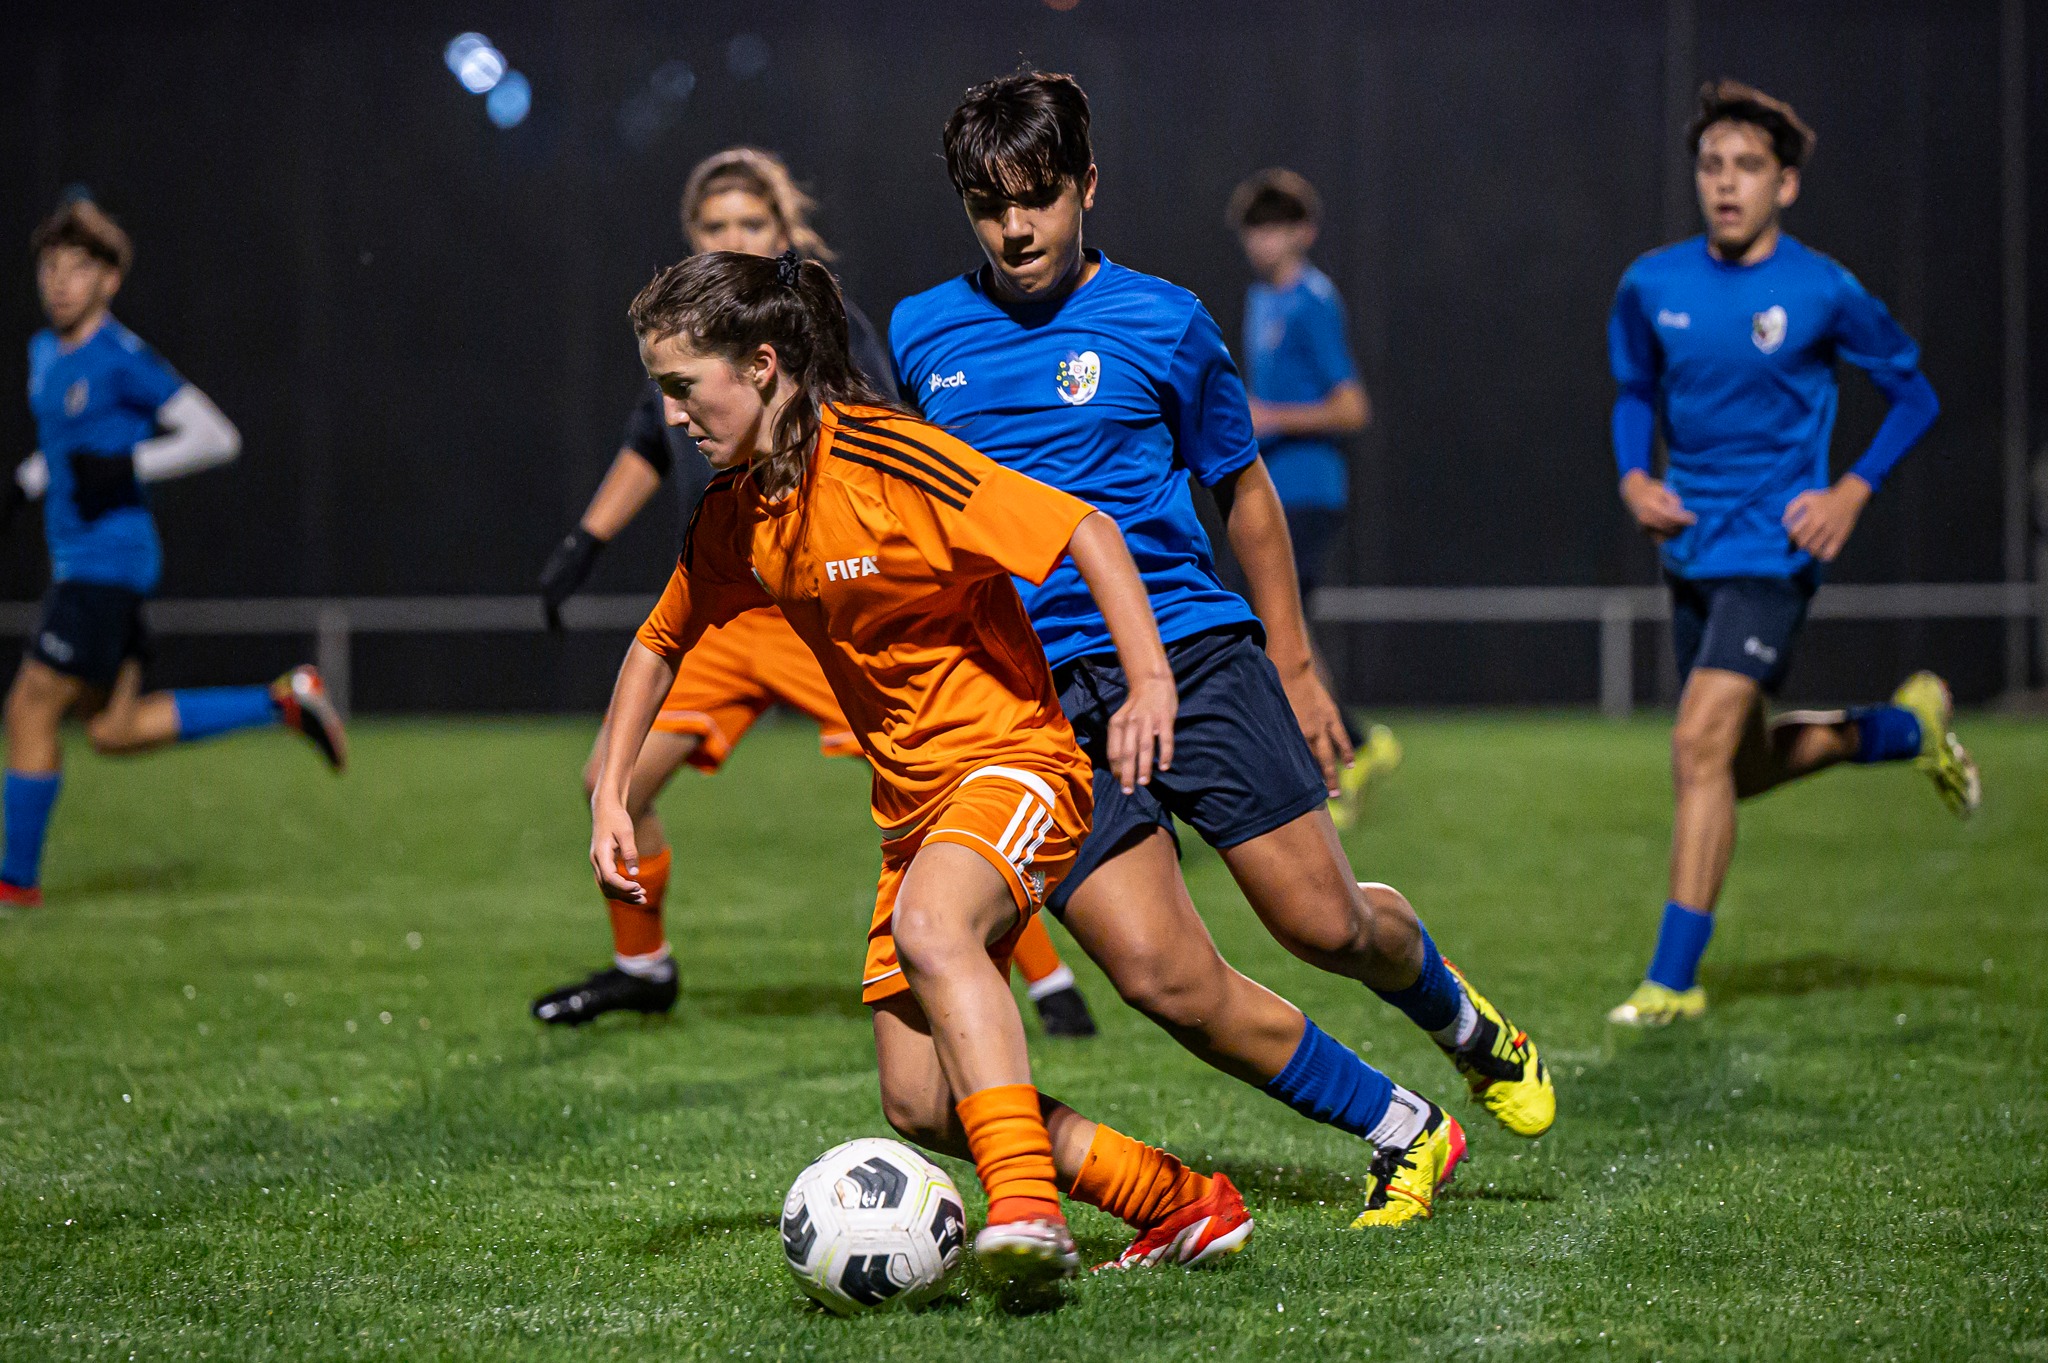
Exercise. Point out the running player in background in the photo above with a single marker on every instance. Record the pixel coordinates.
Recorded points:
(891, 548)
(1114, 386)
(111, 417)
(1305, 397)
(1727, 342)
(740, 199)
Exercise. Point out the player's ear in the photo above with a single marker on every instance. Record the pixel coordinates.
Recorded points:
(1087, 187)
(1788, 186)
(763, 366)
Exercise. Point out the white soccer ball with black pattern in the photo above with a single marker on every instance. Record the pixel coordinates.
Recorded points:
(872, 1223)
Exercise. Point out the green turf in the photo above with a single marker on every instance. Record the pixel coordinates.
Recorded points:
(268, 1088)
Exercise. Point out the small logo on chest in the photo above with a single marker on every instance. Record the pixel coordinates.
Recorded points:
(1767, 328)
(75, 398)
(1078, 377)
(1677, 321)
(846, 569)
(956, 379)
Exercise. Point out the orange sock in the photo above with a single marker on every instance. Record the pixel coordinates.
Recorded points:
(1035, 954)
(636, 928)
(1131, 1180)
(1012, 1153)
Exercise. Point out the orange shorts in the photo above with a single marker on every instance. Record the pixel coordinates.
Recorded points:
(1028, 824)
(736, 672)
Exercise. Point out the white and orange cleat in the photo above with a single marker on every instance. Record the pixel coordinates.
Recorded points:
(1201, 1232)
(1028, 1253)
(303, 704)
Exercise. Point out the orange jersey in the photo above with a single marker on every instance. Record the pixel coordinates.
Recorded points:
(893, 562)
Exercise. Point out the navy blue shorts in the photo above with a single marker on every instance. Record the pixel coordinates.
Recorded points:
(89, 629)
(1739, 624)
(1240, 765)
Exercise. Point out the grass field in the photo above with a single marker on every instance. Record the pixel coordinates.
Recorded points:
(268, 1088)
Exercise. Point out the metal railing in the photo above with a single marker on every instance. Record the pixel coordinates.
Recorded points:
(333, 622)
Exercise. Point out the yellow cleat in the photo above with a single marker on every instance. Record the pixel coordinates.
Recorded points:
(1502, 1069)
(1942, 755)
(1653, 1005)
(1378, 756)
(1402, 1184)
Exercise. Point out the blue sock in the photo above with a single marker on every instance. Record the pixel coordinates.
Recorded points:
(1327, 1082)
(1680, 944)
(29, 797)
(1885, 733)
(1431, 1003)
(222, 709)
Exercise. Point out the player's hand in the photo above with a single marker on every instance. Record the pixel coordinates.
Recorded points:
(565, 571)
(1820, 522)
(1262, 418)
(1656, 507)
(611, 848)
(1322, 723)
(1141, 731)
(102, 481)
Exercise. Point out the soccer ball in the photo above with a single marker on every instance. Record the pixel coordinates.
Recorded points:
(872, 1223)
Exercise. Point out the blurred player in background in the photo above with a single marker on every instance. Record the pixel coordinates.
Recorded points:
(111, 417)
(891, 546)
(1114, 386)
(1305, 398)
(1727, 342)
(741, 199)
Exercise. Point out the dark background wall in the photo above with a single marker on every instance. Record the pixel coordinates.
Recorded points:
(417, 319)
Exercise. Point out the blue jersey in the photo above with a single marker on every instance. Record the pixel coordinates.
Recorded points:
(100, 397)
(1112, 394)
(1294, 351)
(1737, 362)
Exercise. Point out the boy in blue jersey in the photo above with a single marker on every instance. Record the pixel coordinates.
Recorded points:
(1114, 386)
(111, 417)
(1305, 397)
(1728, 342)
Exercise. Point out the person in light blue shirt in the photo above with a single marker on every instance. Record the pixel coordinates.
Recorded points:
(1115, 386)
(112, 417)
(1306, 397)
(1726, 344)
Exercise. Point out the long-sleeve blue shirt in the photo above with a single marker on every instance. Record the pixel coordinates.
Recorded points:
(1737, 364)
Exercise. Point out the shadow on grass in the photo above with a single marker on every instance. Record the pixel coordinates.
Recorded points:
(1301, 1185)
(150, 878)
(1812, 973)
(780, 1001)
(676, 1238)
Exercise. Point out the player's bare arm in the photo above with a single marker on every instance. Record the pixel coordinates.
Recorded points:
(1257, 526)
(1657, 509)
(1344, 410)
(644, 679)
(1821, 521)
(1142, 729)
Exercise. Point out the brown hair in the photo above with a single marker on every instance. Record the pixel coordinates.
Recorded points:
(1728, 100)
(1022, 137)
(726, 303)
(763, 175)
(1273, 195)
(84, 224)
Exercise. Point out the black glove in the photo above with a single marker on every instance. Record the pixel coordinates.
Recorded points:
(102, 482)
(566, 569)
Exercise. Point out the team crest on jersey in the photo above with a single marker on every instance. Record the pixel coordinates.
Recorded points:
(1767, 328)
(1078, 377)
(74, 398)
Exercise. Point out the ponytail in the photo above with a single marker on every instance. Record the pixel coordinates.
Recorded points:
(727, 304)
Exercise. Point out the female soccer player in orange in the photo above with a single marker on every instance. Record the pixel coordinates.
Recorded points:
(890, 547)
(739, 199)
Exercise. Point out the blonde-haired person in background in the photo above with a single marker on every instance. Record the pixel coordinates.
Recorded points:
(741, 199)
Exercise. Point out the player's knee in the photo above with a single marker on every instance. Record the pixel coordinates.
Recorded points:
(1699, 750)
(928, 941)
(1176, 987)
(109, 733)
(920, 1117)
(1396, 931)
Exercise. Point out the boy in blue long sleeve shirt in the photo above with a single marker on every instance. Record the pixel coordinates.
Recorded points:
(1727, 343)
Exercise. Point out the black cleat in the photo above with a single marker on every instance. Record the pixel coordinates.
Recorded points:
(1065, 1013)
(608, 991)
(303, 704)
